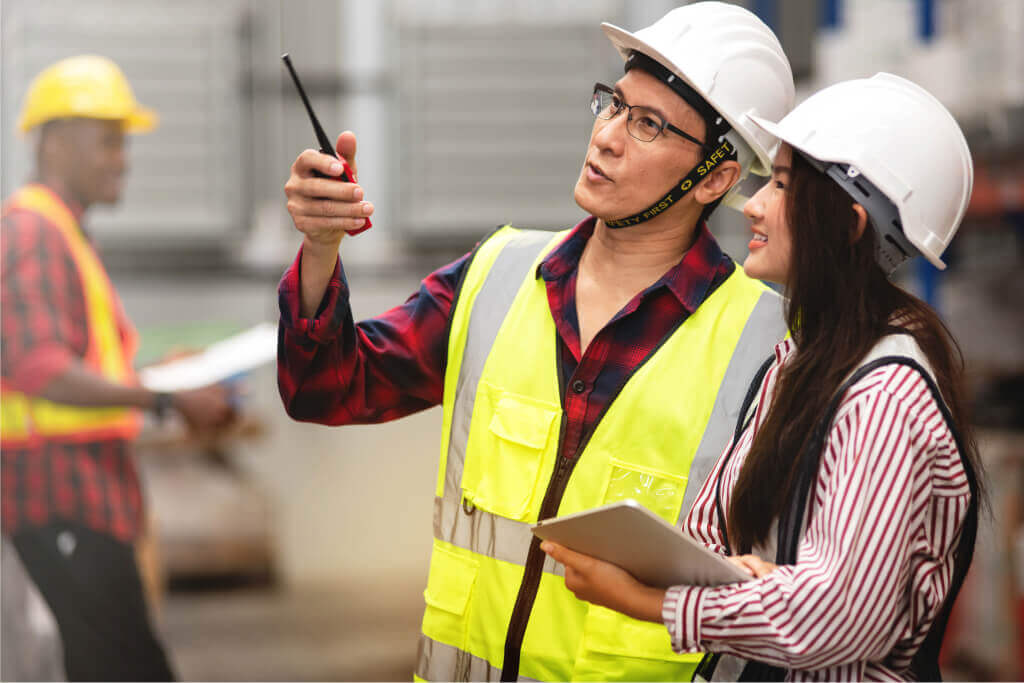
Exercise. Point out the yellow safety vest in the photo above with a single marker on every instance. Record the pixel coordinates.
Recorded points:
(502, 420)
(111, 346)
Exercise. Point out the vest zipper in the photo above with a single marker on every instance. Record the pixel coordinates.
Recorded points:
(533, 567)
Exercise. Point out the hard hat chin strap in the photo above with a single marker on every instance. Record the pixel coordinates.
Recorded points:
(725, 151)
(892, 246)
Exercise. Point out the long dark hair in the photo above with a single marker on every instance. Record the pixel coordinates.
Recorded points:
(840, 305)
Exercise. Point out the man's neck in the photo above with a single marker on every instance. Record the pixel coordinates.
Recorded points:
(616, 265)
(57, 183)
(654, 246)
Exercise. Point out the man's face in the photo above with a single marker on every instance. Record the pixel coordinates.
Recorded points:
(621, 175)
(94, 165)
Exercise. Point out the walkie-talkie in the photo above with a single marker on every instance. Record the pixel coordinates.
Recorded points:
(348, 175)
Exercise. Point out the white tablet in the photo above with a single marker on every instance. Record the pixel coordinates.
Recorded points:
(633, 537)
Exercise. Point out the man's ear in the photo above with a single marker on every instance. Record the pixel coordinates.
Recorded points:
(859, 229)
(52, 145)
(718, 182)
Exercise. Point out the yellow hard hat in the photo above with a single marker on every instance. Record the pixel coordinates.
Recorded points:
(87, 86)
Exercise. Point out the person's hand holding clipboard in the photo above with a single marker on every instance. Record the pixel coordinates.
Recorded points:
(623, 556)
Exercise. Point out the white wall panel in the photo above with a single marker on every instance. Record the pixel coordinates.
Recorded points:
(185, 61)
(493, 110)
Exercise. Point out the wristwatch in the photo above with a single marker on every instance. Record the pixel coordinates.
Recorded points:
(162, 405)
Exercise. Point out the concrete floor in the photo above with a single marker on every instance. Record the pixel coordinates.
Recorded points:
(358, 633)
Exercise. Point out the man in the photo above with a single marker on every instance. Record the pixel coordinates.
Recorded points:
(72, 505)
(574, 369)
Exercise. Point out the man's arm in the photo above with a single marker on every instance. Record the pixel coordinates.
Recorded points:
(44, 331)
(323, 210)
(204, 408)
(332, 370)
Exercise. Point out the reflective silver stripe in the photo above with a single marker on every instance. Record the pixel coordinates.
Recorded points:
(496, 295)
(486, 534)
(764, 328)
(439, 662)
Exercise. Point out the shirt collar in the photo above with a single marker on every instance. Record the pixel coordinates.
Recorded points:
(689, 280)
(564, 259)
(784, 349)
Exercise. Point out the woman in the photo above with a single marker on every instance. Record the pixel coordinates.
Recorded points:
(851, 494)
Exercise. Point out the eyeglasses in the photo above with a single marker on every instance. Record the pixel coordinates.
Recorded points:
(642, 123)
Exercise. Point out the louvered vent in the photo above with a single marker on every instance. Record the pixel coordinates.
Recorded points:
(183, 60)
(493, 115)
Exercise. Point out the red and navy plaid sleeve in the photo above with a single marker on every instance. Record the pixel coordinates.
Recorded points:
(43, 310)
(332, 370)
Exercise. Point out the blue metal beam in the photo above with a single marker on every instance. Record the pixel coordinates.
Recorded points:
(831, 14)
(926, 20)
(767, 11)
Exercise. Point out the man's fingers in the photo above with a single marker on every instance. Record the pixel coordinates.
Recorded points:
(346, 148)
(300, 206)
(321, 224)
(311, 160)
(309, 189)
(330, 188)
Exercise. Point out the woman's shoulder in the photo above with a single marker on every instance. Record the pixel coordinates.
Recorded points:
(894, 404)
(896, 390)
(896, 365)
(898, 386)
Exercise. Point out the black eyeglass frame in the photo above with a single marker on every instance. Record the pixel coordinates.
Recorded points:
(602, 88)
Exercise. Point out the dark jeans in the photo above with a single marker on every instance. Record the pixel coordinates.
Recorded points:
(92, 585)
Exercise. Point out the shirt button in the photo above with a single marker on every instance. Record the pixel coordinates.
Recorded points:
(579, 386)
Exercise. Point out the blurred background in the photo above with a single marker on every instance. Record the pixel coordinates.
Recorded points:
(298, 552)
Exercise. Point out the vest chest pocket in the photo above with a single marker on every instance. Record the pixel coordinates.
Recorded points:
(661, 492)
(508, 442)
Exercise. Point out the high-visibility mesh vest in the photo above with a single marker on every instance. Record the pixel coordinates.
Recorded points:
(111, 346)
(502, 419)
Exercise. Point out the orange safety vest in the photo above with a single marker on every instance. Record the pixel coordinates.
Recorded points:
(25, 419)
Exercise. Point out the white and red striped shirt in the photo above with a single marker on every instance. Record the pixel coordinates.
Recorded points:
(875, 558)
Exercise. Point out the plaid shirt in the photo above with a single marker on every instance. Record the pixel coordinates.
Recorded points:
(44, 330)
(334, 371)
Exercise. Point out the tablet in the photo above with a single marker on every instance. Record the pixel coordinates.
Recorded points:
(633, 537)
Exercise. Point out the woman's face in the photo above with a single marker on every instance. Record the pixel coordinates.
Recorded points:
(768, 257)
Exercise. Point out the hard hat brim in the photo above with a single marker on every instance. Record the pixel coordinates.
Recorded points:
(142, 120)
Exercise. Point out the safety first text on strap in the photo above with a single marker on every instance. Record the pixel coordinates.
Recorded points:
(723, 152)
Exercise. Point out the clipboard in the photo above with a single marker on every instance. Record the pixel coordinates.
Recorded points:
(633, 537)
(220, 361)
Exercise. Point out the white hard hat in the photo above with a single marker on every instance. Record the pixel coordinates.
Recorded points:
(731, 59)
(903, 141)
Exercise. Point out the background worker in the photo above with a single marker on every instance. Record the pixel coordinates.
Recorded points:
(605, 352)
(859, 420)
(72, 505)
